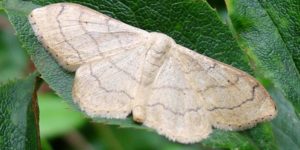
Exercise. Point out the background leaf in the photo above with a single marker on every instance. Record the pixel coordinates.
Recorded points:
(13, 61)
(259, 34)
(19, 126)
(269, 33)
(56, 117)
(286, 126)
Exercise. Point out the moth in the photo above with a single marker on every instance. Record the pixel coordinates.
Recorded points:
(122, 70)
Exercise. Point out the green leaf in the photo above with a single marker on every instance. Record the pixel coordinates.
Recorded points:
(230, 140)
(19, 124)
(193, 24)
(1, 5)
(269, 32)
(13, 60)
(286, 126)
(56, 117)
(259, 34)
(285, 17)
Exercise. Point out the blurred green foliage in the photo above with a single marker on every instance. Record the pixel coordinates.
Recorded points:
(56, 117)
(13, 59)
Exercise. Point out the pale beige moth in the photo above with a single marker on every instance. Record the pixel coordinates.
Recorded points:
(122, 70)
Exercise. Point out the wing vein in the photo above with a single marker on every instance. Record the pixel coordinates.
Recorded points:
(61, 31)
(242, 103)
(105, 89)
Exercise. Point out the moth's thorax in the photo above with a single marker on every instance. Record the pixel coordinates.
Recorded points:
(157, 52)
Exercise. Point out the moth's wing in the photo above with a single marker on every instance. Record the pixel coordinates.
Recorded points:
(75, 34)
(233, 99)
(106, 88)
(173, 107)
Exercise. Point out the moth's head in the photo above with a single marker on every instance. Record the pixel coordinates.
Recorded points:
(161, 42)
